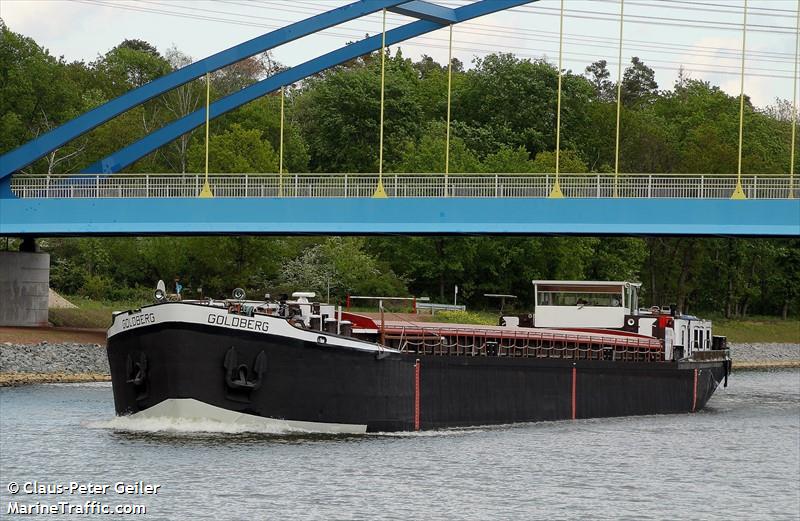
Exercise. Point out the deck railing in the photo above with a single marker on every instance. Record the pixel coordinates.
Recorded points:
(442, 340)
(700, 186)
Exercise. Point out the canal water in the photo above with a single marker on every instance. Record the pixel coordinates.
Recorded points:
(738, 459)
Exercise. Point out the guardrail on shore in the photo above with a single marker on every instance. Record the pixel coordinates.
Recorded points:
(699, 186)
(433, 308)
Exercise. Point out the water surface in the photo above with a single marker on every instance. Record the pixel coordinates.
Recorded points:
(737, 459)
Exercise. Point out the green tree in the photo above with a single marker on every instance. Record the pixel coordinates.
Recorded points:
(509, 160)
(432, 265)
(235, 150)
(516, 99)
(263, 115)
(180, 102)
(37, 93)
(784, 279)
(646, 143)
(428, 154)
(617, 258)
(638, 84)
(340, 115)
(338, 266)
(244, 73)
(130, 64)
(569, 162)
(598, 76)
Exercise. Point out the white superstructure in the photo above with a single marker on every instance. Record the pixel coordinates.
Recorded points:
(578, 304)
(584, 304)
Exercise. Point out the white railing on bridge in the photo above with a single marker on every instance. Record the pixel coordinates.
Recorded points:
(699, 186)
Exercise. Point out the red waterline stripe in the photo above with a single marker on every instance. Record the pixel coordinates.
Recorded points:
(416, 395)
(574, 382)
(694, 392)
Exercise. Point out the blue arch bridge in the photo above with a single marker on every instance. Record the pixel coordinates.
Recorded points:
(102, 201)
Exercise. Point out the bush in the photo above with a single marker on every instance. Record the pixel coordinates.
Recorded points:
(97, 287)
(466, 317)
(67, 277)
(104, 289)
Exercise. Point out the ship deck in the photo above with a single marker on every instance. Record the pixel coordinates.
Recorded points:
(466, 339)
(392, 328)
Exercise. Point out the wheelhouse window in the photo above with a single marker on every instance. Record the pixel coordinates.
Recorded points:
(554, 298)
(592, 296)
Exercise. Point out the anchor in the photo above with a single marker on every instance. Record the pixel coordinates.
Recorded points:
(137, 371)
(239, 377)
(137, 375)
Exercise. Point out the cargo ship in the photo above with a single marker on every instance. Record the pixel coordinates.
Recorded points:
(292, 364)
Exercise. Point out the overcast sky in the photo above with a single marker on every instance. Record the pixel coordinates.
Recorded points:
(702, 36)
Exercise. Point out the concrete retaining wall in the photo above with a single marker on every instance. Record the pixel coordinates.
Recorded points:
(24, 288)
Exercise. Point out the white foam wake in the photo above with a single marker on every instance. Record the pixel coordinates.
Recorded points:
(169, 425)
(189, 415)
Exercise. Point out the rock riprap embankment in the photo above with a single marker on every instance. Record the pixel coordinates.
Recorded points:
(764, 352)
(67, 358)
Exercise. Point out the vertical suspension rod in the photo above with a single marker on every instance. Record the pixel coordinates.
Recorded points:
(794, 103)
(208, 96)
(738, 193)
(280, 160)
(380, 192)
(206, 190)
(449, 92)
(556, 191)
(619, 99)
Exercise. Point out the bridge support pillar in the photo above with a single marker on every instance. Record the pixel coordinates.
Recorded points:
(24, 286)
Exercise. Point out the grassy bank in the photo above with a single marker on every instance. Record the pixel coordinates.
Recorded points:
(484, 318)
(89, 313)
(758, 329)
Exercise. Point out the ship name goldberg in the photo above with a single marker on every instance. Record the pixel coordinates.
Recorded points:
(240, 322)
(138, 320)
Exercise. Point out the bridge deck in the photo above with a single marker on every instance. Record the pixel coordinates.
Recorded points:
(452, 215)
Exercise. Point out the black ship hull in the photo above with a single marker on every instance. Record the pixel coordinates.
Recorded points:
(319, 386)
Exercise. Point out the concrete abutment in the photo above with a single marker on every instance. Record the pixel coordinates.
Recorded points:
(24, 287)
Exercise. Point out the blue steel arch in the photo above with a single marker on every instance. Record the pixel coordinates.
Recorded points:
(128, 155)
(36, 148)
(431, 16)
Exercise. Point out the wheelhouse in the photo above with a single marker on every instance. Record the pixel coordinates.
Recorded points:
(582, 304)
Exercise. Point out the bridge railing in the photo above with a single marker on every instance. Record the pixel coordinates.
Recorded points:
(699, 186)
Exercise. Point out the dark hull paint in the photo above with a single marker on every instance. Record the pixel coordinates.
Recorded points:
(308, 382)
